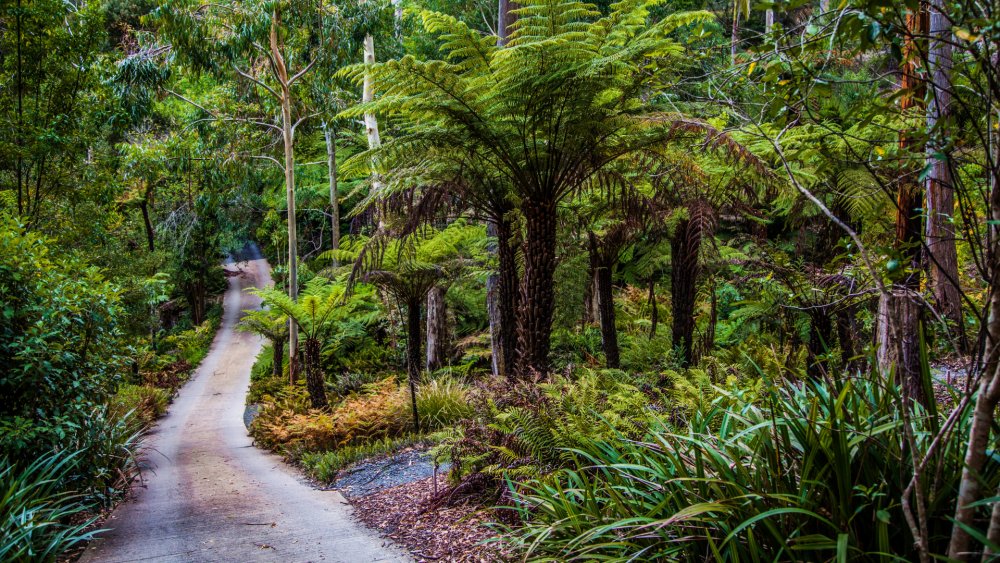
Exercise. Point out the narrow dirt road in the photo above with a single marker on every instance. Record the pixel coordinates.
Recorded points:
(212, 496)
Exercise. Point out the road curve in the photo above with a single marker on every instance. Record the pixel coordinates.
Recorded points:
(212, 496)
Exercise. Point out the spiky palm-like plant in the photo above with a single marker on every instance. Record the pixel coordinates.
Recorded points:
(569, 94)
(319, 305)
(408, 268)
(272, 327)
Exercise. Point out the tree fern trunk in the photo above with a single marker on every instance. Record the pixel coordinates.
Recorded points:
(603, 274)
(314, 375)
(537, 292)
(413, 352)
(278, 361)
(508, 298)
(606, 304)
(684, 248)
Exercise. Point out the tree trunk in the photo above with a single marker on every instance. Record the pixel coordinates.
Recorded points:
(847, 336)
(331, 164)
(314, 375)
(278, 361)
(768, 21)
(983, 417)
(503, 321)
(371, 122)
(368, 95)
(293, 243)
(501, 287)
(537, 290)
(144, 207)
(605, 300)
(413, 353)
(497, 343)
(684, 247)
(604, 274)
(437, 329)
(654, 315)
(735, 35)
(820, 330)
(505, 20)
(901, 309)
(943, 255)
(589, 298)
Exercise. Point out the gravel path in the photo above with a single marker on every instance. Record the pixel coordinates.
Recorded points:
(372, 476)
(211, 495)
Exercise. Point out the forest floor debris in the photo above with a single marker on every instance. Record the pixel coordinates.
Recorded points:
(455, 534)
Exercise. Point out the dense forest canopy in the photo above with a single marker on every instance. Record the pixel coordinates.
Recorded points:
(660, 279)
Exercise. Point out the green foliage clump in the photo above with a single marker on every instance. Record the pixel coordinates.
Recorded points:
(39, 519)
(60, 347)
(441, 402)
(145, 402)
(192, 345)
(803, 473)
(529, 430)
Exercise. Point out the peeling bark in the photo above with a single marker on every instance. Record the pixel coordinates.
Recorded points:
(941, 237)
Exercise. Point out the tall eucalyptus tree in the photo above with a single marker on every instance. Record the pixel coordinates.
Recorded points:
(272, 46)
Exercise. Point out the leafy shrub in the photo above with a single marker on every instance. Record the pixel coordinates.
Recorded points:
(59, 344)
(379, 413)
(147, 403)
(39, 518)
(810, 473)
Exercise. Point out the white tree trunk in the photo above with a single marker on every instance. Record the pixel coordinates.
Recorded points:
(287, 136)
(768, 21)
(371, 123)
(331, 164)
(368, 95)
